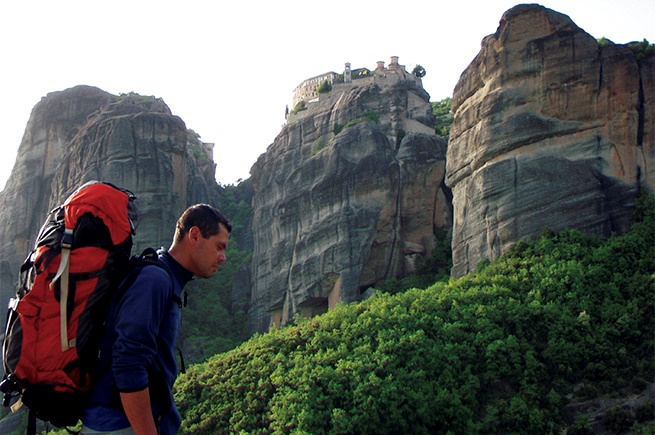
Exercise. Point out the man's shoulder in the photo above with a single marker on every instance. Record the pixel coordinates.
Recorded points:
(155, 270)
(153, 275)
(158, 267)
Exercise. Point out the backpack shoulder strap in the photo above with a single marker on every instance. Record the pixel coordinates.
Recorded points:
(148, 257)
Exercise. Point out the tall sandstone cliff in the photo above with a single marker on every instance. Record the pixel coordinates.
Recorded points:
(83, 134)
(349, 194)
(551, 130)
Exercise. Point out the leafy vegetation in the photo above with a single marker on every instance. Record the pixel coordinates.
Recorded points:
(367, 116)
(195, 146)
(143, 99)
(418, 71)
(443, 116)
(318, 146)
(498, 351)
(324, 87)
(298, 107)
(602, 42)
(641, 49)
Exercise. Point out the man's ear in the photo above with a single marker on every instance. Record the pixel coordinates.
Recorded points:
(194, 234)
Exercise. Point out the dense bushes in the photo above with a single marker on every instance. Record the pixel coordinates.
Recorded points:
(496, 352)
(443, 116)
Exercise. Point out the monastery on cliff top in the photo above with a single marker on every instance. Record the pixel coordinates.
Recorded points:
(307, 91)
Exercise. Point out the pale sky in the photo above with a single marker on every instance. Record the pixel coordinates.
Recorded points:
(228, 69)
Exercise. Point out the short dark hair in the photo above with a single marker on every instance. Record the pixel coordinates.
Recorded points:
(203, 216)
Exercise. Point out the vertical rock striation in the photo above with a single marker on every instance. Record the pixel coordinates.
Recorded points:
(551, 130)
(350, 192)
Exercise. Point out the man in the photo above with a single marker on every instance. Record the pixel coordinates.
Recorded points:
(134, 396)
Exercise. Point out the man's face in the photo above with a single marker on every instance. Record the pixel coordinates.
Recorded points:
(209, 253)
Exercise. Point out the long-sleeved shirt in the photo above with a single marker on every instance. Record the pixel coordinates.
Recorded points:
(139, 347)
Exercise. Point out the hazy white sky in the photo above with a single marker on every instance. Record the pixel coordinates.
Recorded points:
(228, 69)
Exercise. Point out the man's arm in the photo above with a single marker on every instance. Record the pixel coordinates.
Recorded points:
(139, 413)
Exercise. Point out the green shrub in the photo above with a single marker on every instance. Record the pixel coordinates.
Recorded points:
(641, 49)
(602, 42)
(318, 146)
(418, 71)
(443, 115)
(324, 87)
(371, 115)
(298, 107)
(618, 420)
(367, 116)
(581, 426)
(498, 351)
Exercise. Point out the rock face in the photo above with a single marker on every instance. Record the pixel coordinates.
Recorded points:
(349, 194)
(551, 130)
(85, 133)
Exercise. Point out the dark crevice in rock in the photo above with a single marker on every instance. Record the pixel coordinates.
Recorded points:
(641, 112)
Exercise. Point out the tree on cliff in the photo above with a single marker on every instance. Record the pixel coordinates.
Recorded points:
(419, 71)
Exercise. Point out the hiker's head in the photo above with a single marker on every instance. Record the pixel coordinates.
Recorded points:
(201, 237)
(203, 216)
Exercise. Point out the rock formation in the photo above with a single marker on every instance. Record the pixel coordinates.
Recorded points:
(551, 130)
(349, 194)
(85, 133)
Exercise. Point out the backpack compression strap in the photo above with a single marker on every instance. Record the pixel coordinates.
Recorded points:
(62, 272)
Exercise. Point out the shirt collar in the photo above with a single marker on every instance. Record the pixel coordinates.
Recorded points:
(182, 275)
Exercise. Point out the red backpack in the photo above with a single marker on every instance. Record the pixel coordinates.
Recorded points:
(54, 325)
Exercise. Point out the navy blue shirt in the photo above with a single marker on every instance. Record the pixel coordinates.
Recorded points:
(139, 346)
